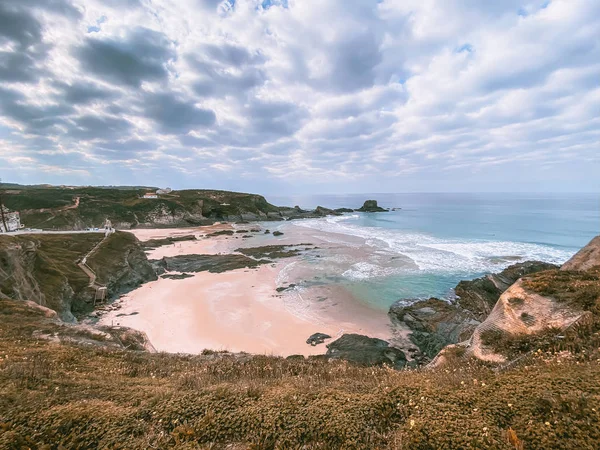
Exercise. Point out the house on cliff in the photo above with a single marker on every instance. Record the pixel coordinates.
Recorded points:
(12, 219)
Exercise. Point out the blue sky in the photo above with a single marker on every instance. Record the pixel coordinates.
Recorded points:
(292, 97)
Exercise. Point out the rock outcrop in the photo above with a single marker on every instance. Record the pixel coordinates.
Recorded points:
(371, 206)
(586, 258)
(433, 324)
(43, 268)
(480, 295)
(317, 338)
(366, 351)
(547, 301)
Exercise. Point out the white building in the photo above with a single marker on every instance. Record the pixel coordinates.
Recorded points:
(13, 220)
(164, 191)
(150, 195)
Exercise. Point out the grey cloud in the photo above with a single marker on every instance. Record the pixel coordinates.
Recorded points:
(354, 62)
(21, 67)
(217, 81)
(19, 26)
(62, 7)
(193, 141)
(37, 119)
(275, 118)
(175, 115)
(89, 127)
(142, 55)
(130, 145)
(232, 55)
(83, 92)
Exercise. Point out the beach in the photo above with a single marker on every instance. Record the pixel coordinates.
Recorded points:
(242, 309)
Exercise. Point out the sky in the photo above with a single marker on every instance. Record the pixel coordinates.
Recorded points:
(302, 96)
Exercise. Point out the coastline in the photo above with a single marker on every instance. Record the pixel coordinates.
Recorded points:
(239, 310)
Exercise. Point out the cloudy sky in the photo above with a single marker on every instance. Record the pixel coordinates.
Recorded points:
(302, 96)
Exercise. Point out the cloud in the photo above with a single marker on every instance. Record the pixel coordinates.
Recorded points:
(364, 95)
(141, 56)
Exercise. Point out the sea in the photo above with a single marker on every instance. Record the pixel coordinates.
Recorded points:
(430, 242)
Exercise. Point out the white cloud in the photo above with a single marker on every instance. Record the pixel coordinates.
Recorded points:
(363, 95)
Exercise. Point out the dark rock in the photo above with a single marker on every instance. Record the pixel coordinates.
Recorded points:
(208, 263)
(242, 231)
(343, 210)
(295, 358)
(281, 289)
(267, 231)
(221, 233)
(317, 338)
(177, 276)
(255, 230)
(434, 323)
(366, 351)
(371, 206)
(480, 295)
(154, 243)
(277, 233)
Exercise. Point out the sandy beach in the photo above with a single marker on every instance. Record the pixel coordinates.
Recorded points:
(239, 310)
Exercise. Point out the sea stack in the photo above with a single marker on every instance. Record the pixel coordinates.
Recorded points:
(371, 206)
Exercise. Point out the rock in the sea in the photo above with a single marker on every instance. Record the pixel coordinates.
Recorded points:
(277, 233)
(317, 338)
(366, 351)
(371, 206)
(343, 210)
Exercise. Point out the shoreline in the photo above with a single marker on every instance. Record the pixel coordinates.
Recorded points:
(239, 310)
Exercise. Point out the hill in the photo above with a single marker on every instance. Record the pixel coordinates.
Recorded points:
(78, 208)
(43, 268)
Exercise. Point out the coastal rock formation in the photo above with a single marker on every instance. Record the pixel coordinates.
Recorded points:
(317, 338)
(44, 324)
(43, 268)
(434, 323)
(366, 351)
(205, 263)
(480, 295)
(371, 206)
(586, 258)
(536, 310)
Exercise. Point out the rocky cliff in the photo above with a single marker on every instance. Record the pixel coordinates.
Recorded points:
(43, 269)
(539, 310)
(433, 324)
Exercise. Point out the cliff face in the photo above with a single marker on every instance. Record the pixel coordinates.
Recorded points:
(547, 303)
(586, 258)
(433, 324)
(43, 269)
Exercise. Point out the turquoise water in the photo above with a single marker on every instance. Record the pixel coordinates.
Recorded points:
(444, 238)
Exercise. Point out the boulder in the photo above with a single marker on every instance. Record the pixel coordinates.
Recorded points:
(433, 323)
(343, 210)
(371, 206)
(277, 233)
(366, 351)
(317, 338)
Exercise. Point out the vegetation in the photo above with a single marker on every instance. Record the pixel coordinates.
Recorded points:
(43, 268)
(58, 396)
(581, 289)
(50, 207)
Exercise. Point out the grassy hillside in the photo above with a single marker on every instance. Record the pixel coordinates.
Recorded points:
(54, 207)
(63, 396)
(43, 268)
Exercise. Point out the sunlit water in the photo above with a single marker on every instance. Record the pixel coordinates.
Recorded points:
(436, 240)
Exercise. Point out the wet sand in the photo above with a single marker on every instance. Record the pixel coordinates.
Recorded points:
(240, 310)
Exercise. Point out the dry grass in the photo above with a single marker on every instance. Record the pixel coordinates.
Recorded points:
(79, 397)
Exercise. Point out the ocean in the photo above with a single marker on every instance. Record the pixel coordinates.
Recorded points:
(435, 240)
